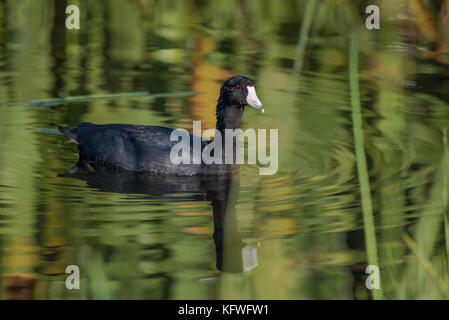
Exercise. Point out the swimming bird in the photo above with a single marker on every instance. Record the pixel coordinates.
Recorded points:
(148, 148)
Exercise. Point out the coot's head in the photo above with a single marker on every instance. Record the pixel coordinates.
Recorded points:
(239, 90)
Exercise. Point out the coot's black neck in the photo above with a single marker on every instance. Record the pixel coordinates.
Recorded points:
(228, 117)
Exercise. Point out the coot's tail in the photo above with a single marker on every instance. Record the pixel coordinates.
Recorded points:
(71, 133)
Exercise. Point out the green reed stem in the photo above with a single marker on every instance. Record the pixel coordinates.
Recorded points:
(445, 192)
(362, 169)
(307, 20)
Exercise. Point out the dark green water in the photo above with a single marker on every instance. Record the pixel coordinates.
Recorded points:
(298, 234)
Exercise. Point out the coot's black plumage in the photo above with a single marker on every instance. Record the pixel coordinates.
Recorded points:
(147, 148)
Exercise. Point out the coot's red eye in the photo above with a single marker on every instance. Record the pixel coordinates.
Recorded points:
(238, 87)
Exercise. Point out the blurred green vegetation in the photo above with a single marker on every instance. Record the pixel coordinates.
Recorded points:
(308, 218)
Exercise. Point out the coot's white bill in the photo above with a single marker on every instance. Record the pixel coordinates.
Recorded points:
(252, 99)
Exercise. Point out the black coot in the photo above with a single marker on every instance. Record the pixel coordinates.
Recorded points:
(147, 148)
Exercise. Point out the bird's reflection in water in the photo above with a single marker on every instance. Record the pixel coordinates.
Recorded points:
(232, 255)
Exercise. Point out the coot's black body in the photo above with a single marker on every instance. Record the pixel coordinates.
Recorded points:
(134, 148)
(147, 148)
